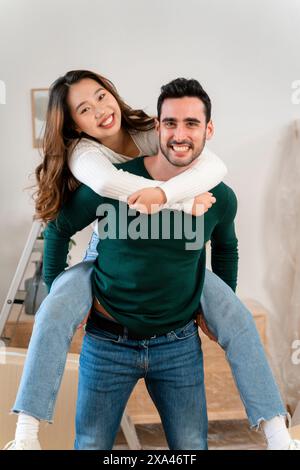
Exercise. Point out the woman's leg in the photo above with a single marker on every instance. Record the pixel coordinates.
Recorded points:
(91, 253)
(233, 325)
(56, 321)
(55, 324)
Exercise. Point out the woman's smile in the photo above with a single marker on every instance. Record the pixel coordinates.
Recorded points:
(108, 122)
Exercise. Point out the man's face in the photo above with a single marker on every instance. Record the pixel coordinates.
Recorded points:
(183, 130)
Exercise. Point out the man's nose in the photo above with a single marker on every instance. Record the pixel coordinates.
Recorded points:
(180, 133)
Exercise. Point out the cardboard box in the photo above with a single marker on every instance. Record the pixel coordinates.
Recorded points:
(59, 435)
(295, 432)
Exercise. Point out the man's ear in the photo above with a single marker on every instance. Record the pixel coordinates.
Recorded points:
(210, 130)
(156, 124)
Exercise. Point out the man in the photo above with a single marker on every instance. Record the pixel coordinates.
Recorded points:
(151, 287)
(147, 285)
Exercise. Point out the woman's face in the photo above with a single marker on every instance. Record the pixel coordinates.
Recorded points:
(93, 109)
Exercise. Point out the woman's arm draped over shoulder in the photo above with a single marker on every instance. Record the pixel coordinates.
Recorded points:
(92, 164)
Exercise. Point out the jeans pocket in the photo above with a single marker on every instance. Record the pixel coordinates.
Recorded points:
(188, 331)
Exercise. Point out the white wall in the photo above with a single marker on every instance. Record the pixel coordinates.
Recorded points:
(245, 53)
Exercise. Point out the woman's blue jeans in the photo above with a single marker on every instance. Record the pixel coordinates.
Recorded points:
(70, 300)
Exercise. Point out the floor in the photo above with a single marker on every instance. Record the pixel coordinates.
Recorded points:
(222, 435)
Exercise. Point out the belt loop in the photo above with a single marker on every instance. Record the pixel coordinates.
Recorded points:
(125, 334)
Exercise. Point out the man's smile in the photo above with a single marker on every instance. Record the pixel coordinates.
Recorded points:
(180, 148)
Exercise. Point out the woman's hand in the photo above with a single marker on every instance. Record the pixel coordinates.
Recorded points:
(150, 200)
(147, 200)
(202, 323)
(202, 203)
(82, 324)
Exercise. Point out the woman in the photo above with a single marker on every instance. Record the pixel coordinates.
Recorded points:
(84, 110)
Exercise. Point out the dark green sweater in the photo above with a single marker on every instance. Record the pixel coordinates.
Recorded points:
(150, 285)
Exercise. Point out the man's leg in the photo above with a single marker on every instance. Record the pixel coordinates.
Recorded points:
(107, 376)
(233, 325)
(175, 382)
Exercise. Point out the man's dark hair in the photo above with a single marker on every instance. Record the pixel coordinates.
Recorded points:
(180, 88)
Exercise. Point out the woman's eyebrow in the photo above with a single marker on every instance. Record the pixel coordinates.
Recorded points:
(83, 102)
(99, 89)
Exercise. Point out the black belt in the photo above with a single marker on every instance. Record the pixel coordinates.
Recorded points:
(95, 320)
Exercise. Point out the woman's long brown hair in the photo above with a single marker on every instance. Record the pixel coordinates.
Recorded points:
(55, 182)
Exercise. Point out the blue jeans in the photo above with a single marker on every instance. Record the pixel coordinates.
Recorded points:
(68, 303)
(172, 367)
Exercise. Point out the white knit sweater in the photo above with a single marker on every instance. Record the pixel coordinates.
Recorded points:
(92, 164)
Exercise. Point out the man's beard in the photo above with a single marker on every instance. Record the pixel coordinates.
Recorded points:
(193, 153)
